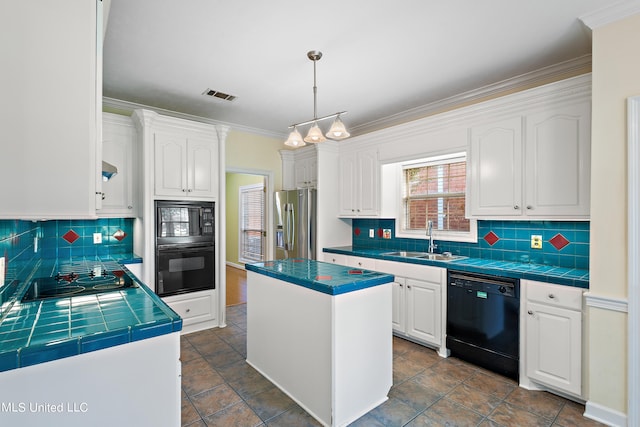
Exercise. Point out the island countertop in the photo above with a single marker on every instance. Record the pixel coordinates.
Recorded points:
(331, 279)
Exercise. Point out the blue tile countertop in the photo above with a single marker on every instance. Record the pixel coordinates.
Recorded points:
(319, 276)
(542, 273)
(40, 331)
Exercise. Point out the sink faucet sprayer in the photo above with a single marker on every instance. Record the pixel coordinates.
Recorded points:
(432, 245)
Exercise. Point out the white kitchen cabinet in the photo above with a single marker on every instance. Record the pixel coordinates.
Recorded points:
(118, 140)
(51, 95)
(552, 318)
(361, 262)
(306, 170)
(197, 309)
(535, 165)
(359, 183)
(423, 311)
(185, 166)
(418, 302)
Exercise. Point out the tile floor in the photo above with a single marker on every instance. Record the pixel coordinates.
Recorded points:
(220, 389)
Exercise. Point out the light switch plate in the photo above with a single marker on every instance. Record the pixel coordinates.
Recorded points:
(97, 238)
(371, 233)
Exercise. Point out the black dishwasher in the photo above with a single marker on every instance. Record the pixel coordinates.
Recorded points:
(483, 321)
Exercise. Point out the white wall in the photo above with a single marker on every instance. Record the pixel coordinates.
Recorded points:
(616, 76)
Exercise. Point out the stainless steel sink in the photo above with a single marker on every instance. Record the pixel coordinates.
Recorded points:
(425, 255)
(441, 257)
(406, 254)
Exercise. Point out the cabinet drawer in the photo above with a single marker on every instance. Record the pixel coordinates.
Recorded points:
(335, 258)
(193, 307)
(556, 295)
(426, 273)
(361, 262)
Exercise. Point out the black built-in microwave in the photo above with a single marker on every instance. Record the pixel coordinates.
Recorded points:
(185, 247)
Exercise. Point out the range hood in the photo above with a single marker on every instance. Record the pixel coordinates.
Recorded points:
(108, 171)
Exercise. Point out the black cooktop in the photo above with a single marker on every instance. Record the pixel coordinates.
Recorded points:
(73, 284)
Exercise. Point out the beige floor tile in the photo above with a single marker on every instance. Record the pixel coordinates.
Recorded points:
(404, 369)
(571, 416)
(509, 415)
(474, 399)
(213, 400)
(434, 380)
(539, 402)
(295, 417)
(492, 384)
(188, 412)
(414, 394)
(447, 413)
(270, 403)
(238, 415)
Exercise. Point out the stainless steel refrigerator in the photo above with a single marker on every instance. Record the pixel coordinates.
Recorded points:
(295, 224)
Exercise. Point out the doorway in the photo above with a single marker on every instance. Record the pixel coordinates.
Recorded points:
(248, 219)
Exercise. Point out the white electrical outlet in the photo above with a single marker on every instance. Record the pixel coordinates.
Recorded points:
(536, 241)
(97, 238)
(371, 233)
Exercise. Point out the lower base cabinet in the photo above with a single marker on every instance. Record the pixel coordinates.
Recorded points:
(418, 304)
(552, 331)
(197, 309)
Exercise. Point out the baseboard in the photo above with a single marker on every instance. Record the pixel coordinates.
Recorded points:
(605, 415)
(235, 265)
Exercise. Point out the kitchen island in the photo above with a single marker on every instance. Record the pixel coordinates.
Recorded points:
(322, 334)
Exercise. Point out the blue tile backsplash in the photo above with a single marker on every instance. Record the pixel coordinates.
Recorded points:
(22, 241)
(513, 244)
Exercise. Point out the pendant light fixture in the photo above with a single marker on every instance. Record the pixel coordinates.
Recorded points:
(337, 130)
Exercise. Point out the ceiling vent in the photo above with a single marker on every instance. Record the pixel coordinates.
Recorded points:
(221, 95)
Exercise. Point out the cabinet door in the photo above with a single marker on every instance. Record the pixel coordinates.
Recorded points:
(348, 184)
(118, 136)
(305, 172)
(554, 347)
(494, 180)
(170, 155)
(557, 162)
(368, 183)
(202, 168)
(398, 316)
(423, 317)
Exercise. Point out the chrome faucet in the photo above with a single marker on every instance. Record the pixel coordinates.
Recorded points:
(432, 245)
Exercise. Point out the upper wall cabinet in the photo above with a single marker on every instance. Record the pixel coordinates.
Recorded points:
(359, 183)
(118, 140)
(185, 166)
(299, 168)
(533, 165)
(51, 88)
(182, 156)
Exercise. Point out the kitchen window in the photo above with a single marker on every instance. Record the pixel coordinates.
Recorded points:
(252, 230)
(434, 189)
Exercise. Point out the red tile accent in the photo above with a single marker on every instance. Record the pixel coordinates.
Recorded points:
(324, 277)
(355, 271)
(268, 264)
(298, 260)
(491, 238)
(559, 241)
(70, 236)
(119, 235)
(118, 273)
(356, 231)
(380, 232)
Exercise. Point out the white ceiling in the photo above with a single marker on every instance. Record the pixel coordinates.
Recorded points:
(380, 58)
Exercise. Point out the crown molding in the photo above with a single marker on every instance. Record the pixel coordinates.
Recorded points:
(129, 107)
(609, 14)
(524, 81)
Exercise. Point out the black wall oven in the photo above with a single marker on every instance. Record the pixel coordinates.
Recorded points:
(185, 247)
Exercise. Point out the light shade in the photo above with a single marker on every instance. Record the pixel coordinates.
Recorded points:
(295, 139)
(315, 134)
(338, 131)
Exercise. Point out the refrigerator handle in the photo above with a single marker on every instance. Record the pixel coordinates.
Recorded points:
(285, 227)
(292, 235)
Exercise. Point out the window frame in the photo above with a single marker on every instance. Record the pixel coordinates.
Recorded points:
(453, 236)
(241, 210)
